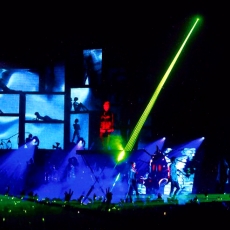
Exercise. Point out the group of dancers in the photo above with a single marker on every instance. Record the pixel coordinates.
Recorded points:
(159, 173)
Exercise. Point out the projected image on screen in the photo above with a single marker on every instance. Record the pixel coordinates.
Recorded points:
(92, 62)
(79, 129)
(49, 107)
(17, 80)
(54, 78)
(47, 134)
(9, 132)
(9, 103)
(84, 100)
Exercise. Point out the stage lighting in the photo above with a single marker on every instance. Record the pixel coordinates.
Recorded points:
(80, 144)
(136, 131)
(36, 141)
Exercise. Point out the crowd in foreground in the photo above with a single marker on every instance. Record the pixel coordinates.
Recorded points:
(30, 213)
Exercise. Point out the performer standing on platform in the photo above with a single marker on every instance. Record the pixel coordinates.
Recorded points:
(106, 125)
(173, 178)
(132, 182)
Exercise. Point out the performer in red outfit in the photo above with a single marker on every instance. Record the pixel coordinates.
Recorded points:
(106, 125)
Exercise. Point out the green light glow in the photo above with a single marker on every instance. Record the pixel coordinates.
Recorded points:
(144, 116)
(121, 156)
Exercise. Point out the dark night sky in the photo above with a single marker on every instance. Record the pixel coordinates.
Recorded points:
(142, 39)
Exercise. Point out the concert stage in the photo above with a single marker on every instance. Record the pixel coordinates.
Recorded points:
(52, 188)
(88, 173)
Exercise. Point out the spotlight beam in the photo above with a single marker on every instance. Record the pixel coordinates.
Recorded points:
(140, 123)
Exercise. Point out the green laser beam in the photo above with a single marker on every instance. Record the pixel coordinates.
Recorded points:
(144, 116)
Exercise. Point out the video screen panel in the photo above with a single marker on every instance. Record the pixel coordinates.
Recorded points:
(83, 131)
(47, 105)
(85, 96)
(17, 80)
(92, 63)
(48, 134)
(9, 103)
(54, 78)
(9, 132)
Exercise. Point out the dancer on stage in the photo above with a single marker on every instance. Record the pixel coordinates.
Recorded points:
(106, 125)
